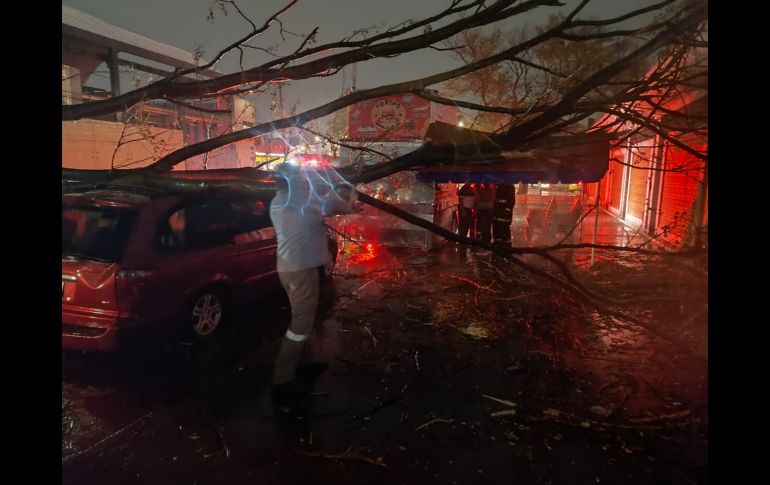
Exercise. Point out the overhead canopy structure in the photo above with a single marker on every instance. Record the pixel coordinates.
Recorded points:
(559, 159)
(88, 41)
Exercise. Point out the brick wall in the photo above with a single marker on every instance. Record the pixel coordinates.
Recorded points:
(90, 144)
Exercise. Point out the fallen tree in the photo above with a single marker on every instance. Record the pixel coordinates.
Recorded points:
(671, 36)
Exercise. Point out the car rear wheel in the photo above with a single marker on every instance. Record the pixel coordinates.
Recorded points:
(206, 313)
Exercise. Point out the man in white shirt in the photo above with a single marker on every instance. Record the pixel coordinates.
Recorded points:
(304, 196)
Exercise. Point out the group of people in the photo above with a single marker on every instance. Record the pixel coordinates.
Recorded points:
(486, 211)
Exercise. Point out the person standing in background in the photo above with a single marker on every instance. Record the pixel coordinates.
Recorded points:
(485, 203)
(505, 200)
(465, 206)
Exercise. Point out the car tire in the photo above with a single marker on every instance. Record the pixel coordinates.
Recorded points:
(206, 313)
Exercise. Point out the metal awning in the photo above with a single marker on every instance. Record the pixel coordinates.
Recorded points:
(94, 31)
(582, 157)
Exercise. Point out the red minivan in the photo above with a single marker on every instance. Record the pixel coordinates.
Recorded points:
(135, 263)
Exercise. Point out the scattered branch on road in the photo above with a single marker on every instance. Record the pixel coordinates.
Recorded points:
(437, 420)
(501, 401)
(662, 417)
(473, 283)
(369, 331)
(379, 461)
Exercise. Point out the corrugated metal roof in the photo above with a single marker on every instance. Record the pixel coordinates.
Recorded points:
(89, 28)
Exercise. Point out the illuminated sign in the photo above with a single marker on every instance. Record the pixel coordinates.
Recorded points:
(395, 117)
(268, 157)
(388, 114)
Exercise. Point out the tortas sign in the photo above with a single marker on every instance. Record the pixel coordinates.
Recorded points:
(398, 117)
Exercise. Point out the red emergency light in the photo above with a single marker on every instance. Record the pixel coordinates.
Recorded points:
(313, 159)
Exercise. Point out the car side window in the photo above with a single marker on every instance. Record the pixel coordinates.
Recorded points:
(171, 234)
(210, 224)
(254, 222)
(198, 226)
(215, 223)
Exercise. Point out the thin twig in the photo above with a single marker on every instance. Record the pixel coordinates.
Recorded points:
(501, 401)
(437, 420)
(512, 298)
(473, 283)
(343, 236)
(368, 330)
(343, 456)
(505, 412)
(662, 417)
(225, 448)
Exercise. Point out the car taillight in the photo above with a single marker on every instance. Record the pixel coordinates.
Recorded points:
(130, 284)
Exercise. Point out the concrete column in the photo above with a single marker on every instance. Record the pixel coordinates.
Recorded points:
(112, 64)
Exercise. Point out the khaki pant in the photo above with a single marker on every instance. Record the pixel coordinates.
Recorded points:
(302, 287)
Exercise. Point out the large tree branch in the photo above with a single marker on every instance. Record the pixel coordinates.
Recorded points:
(168, 162)
(198, 108)
(674, 29)
(580, 107)
(559, 110)
(501, 9)
(615, 20)
(656, 128)
(389, 34)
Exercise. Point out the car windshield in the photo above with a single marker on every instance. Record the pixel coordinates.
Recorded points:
(96, 233)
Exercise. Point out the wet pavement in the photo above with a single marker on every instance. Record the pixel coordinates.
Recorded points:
(446, 366)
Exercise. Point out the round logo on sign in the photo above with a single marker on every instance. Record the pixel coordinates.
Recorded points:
(388, 114)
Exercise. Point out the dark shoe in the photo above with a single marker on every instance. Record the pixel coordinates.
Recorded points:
(291, 406)
(310, 372)
(293, 420)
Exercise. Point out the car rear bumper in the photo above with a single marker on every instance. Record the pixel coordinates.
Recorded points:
(90, 338)
(101, 332)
